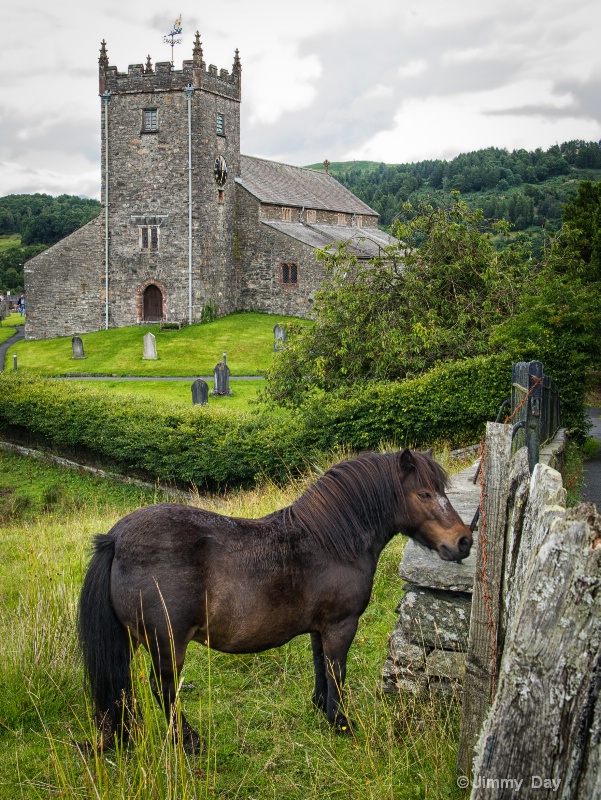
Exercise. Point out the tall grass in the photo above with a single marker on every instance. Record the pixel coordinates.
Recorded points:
(262, 738)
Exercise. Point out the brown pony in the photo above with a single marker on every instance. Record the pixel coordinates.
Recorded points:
(169, 574)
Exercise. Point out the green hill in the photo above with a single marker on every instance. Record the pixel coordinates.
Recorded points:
(528, 189)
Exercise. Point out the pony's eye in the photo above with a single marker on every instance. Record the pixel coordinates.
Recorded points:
(424, 495)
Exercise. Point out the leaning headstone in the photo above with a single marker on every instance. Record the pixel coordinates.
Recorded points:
(221, 378)
(200, 392)
(77, 347)
(279, 337)
(150, 347)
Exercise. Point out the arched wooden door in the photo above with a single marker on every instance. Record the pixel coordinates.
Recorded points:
(153, 304)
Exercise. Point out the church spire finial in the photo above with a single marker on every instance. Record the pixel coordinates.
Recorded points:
(103, 61)
(197, 52)
(237, 65)
(148, 67)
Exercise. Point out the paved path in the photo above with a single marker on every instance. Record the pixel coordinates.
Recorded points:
(592, 467)
(155, 378)
(4, 347)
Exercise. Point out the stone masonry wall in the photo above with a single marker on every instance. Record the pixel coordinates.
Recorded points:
(260, 251)
(64, 285)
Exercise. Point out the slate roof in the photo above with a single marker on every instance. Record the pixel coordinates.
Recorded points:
(361, 242)
(285, 185)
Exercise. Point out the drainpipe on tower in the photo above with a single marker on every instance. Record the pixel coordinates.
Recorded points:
(106, 96)
(189, 92)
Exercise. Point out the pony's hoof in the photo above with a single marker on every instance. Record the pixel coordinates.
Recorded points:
(192, 743)
(343, 727)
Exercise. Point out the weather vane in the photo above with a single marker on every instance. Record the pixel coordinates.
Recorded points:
(171, 37)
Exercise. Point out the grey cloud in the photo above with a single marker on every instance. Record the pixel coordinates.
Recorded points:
(344, 115)
(80, 136)
(586, 104)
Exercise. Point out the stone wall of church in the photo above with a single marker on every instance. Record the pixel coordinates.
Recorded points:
(260, 252)
(148, 186)
(64, 285)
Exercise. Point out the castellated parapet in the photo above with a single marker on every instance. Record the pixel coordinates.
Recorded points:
(141, 78)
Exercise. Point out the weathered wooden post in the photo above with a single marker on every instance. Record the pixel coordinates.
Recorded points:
(543, 736)
(481, 667)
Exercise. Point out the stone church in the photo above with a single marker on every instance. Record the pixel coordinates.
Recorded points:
(186, 220)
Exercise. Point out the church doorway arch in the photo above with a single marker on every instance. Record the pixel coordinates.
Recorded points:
(153, 303)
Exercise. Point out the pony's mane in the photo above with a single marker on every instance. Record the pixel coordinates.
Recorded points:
(357, 497)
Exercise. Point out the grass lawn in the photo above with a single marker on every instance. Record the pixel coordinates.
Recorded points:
(8, 326)
(263, 738)
(243, 392)
(247, 338)
(10, 240)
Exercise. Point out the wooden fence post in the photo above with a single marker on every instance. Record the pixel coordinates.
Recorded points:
(482, 656)
(543, 736)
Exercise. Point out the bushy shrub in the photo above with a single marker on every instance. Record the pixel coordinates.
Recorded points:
(451, 402)
(213, 447)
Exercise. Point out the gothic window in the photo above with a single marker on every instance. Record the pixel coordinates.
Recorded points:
(342, 219)
(359, 220)
(287, 214)
(311, 215)
(150, 120)
(220, 125)
(289, 273)
(149, 238)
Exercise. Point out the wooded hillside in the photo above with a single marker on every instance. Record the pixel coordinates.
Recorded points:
(43, 219)
(528, 189)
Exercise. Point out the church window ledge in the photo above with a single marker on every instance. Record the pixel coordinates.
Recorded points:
(149, 239)
(289, 273)
(150, 120)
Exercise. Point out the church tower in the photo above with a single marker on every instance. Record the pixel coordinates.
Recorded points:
(170, 155)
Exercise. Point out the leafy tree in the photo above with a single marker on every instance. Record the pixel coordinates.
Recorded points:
(583, 216)
(434, 297)
(11, 267)
(558, 322)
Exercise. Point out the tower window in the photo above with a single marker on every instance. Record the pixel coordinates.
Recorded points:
(287, 214)
(289, 273)
(150, 120)
(220, 125)
(342, 219)
(311, 215)
(149, 238)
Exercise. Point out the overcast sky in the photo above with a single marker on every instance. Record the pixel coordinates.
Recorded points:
(384, 80)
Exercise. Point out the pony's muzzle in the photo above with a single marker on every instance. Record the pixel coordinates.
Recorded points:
(457, 551)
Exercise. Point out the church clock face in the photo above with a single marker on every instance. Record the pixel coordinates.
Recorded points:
(220, 171)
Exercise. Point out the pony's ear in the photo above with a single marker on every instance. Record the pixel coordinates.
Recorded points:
(429, 452)
(406, 461)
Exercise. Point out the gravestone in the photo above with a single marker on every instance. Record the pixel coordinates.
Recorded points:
(200, 392)
(279, 337)
(221, 376)
(77, 347)
(150, 347)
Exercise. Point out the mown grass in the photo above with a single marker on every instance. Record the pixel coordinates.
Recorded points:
(10, 240)
(247, 338)
(243, 392)
(262, 737)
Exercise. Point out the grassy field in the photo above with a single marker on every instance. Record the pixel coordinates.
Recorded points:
(10, 240)
(263, 739)
(243, 392)
(247, 338)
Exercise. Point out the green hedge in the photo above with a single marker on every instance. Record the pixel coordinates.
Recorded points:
(450, 403)
(210, 447)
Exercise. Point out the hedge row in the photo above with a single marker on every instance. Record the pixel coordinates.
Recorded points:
(211, 447)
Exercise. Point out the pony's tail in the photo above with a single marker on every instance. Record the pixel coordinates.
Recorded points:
(104, 641)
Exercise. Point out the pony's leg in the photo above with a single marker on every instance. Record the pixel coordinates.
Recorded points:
(320, 695)
(167, 673)
(336, 644)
